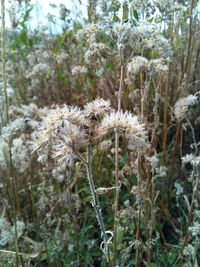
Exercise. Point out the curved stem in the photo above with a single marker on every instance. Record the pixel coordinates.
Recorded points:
(78, 155)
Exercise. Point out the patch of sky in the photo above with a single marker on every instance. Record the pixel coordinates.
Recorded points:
(47, 14)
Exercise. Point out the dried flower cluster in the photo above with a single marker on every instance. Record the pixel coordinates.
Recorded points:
(183, 104)
(68, 128)
(139, 64)
(139, 38)
(7, 232)
(79, 70)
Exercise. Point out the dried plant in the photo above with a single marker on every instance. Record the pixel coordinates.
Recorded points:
(113, 93)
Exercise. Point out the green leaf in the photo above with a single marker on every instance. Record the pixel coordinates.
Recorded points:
(116, 18)
(69, 33)
(125, 11)
(135, 14)
(110, 66)
(120, 235)
(134, 86)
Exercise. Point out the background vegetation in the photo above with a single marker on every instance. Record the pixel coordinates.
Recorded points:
(143, 56)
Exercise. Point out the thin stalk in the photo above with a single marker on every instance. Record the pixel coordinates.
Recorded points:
(116, 196)
(153, 199)
(189, 219)
(14, 206)
(156, 113)
(120, 88)
(148, 212)
(173, 159)
(195, 190)
(78, 155)
(3, 58)
(74, 218)
(187, 61)
(149, 249)
(193, 135)
(3, 55)
(165, 127)
(144, 103)
(137, 254)
(107, 73)
(96, 203)
(116, 205)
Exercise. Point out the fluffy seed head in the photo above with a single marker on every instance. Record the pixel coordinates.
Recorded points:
(98, 106)
(126, 122)
(182, 105)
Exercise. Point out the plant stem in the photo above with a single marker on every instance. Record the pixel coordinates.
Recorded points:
(120, 88)
(137, 254)
(14, 198)
(156, 113)
(14, 206)
(96, 203)
(3, 58)
(116, 195)
(117, 169)
(195, 189)
(187, 61)
(193, 135)
(190, 214)
(165, 127)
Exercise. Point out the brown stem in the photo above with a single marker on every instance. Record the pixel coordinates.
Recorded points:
(173, 159)
(165, 121)
(117, 170)
(13, 182)
(137, 255)
(155, 112)
(120, 88)
(187, 61)
(3, 58)
(144, 102)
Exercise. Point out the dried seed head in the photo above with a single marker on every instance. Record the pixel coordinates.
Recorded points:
(105, 145)
(65, 129)
(182, 105)
(126, 122)
(98, 106)
(61, 129)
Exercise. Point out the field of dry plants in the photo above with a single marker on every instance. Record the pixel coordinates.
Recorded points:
(100, 134)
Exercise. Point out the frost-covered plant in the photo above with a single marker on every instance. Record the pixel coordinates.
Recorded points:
(190, 236)
(138, 37)
(135, 66)
(64, 130)
(183, 104)
(120, 57)
(139, 51)
(78, 69)
(7, 232)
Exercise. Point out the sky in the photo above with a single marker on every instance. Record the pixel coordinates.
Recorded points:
(42, 8)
